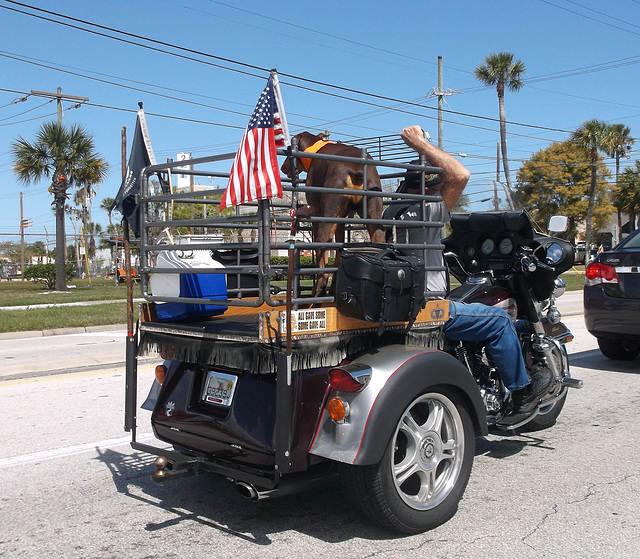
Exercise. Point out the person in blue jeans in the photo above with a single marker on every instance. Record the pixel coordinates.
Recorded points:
(472, 321)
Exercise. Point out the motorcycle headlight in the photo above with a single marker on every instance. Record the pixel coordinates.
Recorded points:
(559, 288)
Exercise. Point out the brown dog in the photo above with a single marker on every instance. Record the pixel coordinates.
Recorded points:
(336, 174)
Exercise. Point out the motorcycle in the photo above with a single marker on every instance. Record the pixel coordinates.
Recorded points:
(500, 260)
(278, 391)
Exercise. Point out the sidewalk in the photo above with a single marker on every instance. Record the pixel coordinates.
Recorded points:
(570, 304)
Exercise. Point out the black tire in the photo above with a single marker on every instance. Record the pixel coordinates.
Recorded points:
(544, 421)
(620, 350)
(432, 449)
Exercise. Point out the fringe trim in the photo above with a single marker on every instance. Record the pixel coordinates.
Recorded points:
(262, 358)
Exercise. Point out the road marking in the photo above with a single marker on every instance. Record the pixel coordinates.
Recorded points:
(63, 376)
(69, 451)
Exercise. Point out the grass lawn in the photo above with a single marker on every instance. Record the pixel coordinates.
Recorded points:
(19, 293)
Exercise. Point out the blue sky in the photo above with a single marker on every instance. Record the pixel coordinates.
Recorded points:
(581, 61)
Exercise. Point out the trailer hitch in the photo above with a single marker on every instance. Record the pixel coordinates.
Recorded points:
(166, 469)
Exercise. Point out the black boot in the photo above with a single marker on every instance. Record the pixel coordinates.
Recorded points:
(526, 399)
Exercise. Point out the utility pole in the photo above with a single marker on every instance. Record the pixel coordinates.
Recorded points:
(440, 93)
(46, 246)
(61, 246)
(495, 185)
(21, 238)
(24, 223)
(59, 98)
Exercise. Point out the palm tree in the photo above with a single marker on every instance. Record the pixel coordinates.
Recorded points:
(93, 230)
(106, 206)
(593, 136)
(621, 142)
(64, 156)
(628, 196)
(501, 70)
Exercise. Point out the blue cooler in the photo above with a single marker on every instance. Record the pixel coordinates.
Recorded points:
(205, 285)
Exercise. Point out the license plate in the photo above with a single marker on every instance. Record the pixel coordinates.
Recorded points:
(219, 388)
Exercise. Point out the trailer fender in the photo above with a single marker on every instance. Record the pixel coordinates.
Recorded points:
(398, 374)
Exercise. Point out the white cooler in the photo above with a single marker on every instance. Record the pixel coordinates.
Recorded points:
(188, 284)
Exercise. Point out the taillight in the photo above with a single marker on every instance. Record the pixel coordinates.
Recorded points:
(597, 273)
(350, 378)
(343, 381)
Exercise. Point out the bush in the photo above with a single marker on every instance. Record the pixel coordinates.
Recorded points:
(46, 273)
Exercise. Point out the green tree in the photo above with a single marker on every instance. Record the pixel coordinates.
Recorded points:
(595, 137)
(39, 250)
(46, 273)
(63, 156)
(557, 180)
(93, 230)
(621, 143)
(106, 206)
(628, 193)
(502, 71)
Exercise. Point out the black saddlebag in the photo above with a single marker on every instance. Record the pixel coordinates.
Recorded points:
(379, 284)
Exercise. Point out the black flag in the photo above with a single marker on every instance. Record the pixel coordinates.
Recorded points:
(140, 156)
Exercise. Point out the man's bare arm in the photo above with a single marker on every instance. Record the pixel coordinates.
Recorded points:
(454, 174)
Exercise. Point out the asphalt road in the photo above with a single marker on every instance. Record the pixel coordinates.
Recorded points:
(72, 487)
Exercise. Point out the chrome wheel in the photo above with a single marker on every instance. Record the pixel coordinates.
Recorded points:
(425, 468)
(428, 451)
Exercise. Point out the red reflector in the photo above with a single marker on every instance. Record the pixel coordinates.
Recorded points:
(592, 271)
(343, 381)
(596, 270)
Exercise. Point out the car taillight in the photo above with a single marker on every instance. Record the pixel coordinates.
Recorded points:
(597, 273)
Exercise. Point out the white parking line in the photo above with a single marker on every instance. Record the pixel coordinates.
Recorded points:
(69, 451)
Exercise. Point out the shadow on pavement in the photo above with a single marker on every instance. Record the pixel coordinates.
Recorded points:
(213, 502)
(593, 359)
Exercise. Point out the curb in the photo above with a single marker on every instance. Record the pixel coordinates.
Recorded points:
(61, 331)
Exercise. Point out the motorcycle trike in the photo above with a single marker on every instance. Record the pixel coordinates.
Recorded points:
(279, 391)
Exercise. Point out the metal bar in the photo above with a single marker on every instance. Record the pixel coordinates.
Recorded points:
(284, 407)
(131, 386)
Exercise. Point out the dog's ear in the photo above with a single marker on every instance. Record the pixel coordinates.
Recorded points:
(285, 168)
(307, 139)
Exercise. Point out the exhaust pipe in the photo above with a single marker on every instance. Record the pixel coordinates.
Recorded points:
(288, 486)
(248, 491)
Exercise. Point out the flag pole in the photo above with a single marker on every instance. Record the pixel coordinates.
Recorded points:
(131, 363)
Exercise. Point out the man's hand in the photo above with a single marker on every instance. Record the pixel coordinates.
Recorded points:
(413, 136)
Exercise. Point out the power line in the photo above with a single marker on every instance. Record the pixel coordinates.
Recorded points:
(249, 66)
(591, 18)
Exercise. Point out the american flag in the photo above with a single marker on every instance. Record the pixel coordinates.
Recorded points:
(255, 174)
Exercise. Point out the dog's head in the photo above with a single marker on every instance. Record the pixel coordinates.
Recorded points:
(305, 140)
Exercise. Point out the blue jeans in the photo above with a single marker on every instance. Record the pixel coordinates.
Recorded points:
(475, 322)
